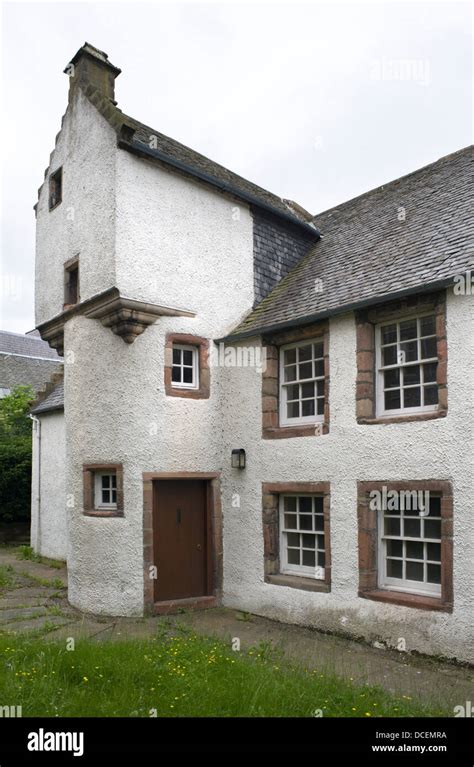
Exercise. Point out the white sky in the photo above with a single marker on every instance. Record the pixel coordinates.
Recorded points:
(299, 98)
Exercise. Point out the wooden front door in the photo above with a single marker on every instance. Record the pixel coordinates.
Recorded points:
(180, 539)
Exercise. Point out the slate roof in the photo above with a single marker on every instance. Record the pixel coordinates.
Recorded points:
(27, 345)
(367, 254)
(54, 401)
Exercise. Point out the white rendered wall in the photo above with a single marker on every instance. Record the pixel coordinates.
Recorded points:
(48, 495)
(83, 224)
(438, 449)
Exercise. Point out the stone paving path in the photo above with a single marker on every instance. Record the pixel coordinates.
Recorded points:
(33, 600)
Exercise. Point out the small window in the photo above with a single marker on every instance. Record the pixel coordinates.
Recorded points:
(410, 548)
(55, 188)
(407, 362)
(105, 490)
(302, 389)
(71, 283)
(185, 367)
(302, 539)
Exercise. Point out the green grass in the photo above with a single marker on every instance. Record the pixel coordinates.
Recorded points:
(26, 552)
(7, 576)
(184, 675)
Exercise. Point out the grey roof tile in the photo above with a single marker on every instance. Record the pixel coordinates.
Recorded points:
(54, 401)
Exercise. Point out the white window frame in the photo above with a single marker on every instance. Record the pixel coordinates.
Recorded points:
(98, 502)
(195, 366)
(316, 418)
(402, 584)
(379, 369)
(317, 572)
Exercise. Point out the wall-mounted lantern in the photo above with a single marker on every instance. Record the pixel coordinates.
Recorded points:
(238, 459)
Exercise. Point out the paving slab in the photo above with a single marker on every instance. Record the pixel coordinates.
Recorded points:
(21, 613)
(24, 627)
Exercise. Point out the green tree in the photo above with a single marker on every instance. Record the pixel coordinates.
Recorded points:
(15, 455)
(14, 413)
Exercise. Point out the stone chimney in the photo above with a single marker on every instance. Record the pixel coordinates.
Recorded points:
(89, 66)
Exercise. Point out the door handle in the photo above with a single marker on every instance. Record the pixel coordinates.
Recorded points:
(199, 547)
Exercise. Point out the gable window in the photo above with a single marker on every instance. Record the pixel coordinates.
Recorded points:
(105, 490)
(55, 188)
(71, 282)
(302, 545)
(302, 382)
(185, 368)
(407, 363)
(405, 535)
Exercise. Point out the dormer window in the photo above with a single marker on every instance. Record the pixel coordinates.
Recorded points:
(55, 188)
(71, 282)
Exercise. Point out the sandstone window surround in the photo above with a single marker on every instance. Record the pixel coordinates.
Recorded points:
(413, 385)
(379, 542)
(176, 346)
(277, 569)
(103, 489)
(278, 394)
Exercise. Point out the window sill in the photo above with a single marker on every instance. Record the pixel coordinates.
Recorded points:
(103, 513)
(287, 432)
(298, 582)
(405, 418)
(419, 601)
(202, 393)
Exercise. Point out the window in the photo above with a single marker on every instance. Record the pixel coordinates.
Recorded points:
(410, 549)
(302, 383)
(405, 535)
(302, 545)
(55, 188)
(185, 369)
(105, 490)
(407, 364)
(71, 282)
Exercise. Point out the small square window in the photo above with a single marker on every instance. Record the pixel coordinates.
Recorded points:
(55, 188)
(105, 490)
(302, 550)
(185, 367)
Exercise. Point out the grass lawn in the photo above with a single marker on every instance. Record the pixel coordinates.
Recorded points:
(181, 675)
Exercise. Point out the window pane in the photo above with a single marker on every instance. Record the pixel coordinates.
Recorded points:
(309, 558)
(308, 407)
(187, 357)
(114, 496)
(412, 397)
(414, 571)
(305, 353)
(293, 556)
(411, 375)
(411, 528)
(389, 334)
(305, 370)
(309, 541)
(434, 551)
(414, 550)
(306, 522)
(176, 375)
(319, 522)
(307, 390)
(431, 395)
(392, 378)
(390, 355)
(187, 375)
(320, 406)
(113, 479)
(394, 548)
(321, 559)
(176, 356)
(427, 326)
(429, 372)
(318, 501)
(408, 330)
(410, 350)
(318, 350)
(428, 348)
(306, 504)
(392, 399)
(293, 410)
(435, 506)
(319, 368)
(320, 541)
(289, 503)
(290, 373)
(105, 496)
(433, 528)
(289, 356)
(290, 521)
(434, 573)
(394, 568)
(105, 480)
(293, 539)
(320, 388)
(392, 526)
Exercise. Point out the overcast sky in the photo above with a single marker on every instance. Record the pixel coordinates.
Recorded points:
(317, 102)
